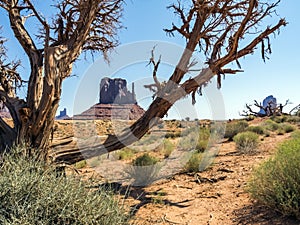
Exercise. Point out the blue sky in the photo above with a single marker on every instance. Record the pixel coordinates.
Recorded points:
(145, 20)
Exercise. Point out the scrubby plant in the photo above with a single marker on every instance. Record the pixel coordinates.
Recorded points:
(201, 145)
(145, 160)
(276, 182)
(173, 134)
(204, 135)
(125, 154)
(193, 164)
(246, 142)
(279, 119)
(80, 164)
(295, 134)
(293, 119)
(287, 127)
(32, 192)
(168, 148)
(256, 129)
(271, 125)
(144, 170)
(233, 128)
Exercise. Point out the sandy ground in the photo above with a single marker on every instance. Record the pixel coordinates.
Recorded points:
(215, 196)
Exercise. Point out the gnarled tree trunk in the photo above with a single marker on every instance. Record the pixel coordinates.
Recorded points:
(216, 26)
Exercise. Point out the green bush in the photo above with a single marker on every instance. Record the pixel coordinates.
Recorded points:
(204, 135)
(33, 193)
(246, 142)
(193, 164)
(296, 134)
(271, 125)
(125, 153)
(256, 129)
(145, 160)
(276, 183)
(293, 119)
(279, 119)
(143, 170)
(233, 128)
(168, 148)
(201, 145)
(287, 128)
(80, 165)
(173, 134)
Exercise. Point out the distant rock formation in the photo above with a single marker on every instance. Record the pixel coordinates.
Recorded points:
(112, 112)
(115, 103)
(270, 104)
(114, 91)
(62, 115)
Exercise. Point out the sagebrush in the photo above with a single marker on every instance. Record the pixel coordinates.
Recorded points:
(246, 142)
(32, 192)
(276, 182)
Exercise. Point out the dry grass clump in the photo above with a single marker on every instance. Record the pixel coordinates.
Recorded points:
(233, 128)
(246, 142)
(194, 162)
(144, 170)
(33, 193)
(256, 129)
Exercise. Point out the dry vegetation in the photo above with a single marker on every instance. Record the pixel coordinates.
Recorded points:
(217, 195)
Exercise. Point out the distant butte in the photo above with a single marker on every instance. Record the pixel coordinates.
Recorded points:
(115, 102)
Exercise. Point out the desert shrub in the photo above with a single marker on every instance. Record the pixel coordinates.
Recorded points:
(250, 117)
(145, 160)
(195, 138)
(172, 134)
(295, 134)
(293, 119)
(204, 135)
(193, 164)
(284, 128)
(279, 119)
(168, 148)
(271, 125)
(201, 145)
(125, 153)
(33, 193)
(234, 128)
(256, 129)
(246, 142)
(80, 165)
(276, 182)
(143, 170)
(288, 128)
(190, 130)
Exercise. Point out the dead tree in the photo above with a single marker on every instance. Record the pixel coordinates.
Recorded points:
(269, 110)
(78, 26)
(214, 27)
(296, 109)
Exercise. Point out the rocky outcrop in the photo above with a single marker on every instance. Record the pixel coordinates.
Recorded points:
(62, 115)
(115, 103)
(114, 91)
(111, 112)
